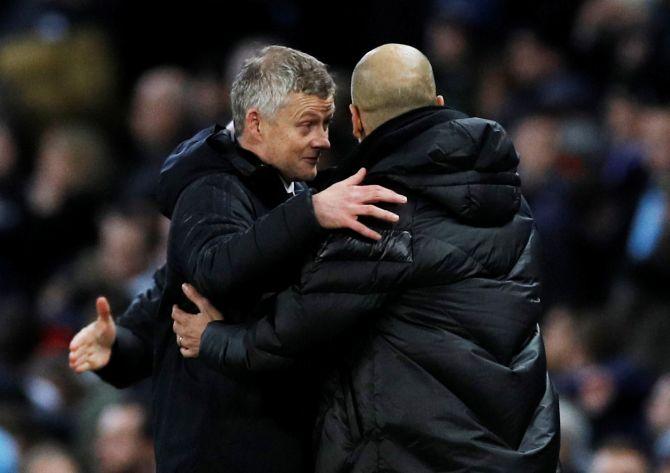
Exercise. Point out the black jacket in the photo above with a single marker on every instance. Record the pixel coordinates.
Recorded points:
(232, 236)
(439, 363)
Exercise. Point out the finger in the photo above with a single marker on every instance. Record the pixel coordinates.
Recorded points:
(76, 361)
(103, 309)
(76, 341)
(356, 178)
(84, 365)
(80, 341)
(381, 194)
(194, 296)
(177, 328)
(358, 227)
(187, 353)
(376, 212)
(79, 352)
(180, 315)
(73, 360)
(82, 337)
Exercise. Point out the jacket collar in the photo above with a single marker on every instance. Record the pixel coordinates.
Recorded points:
(244, 161)
(387, 137)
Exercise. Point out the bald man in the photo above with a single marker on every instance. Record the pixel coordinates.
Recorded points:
(427, 339)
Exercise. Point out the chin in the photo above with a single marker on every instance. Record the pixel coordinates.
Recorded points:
(308, 175)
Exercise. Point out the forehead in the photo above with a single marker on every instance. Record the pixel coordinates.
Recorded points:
(300, 104)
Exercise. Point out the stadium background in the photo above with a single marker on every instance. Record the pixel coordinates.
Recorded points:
(94, 94)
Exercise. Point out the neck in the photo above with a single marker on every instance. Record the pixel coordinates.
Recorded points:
(259, 151)
(252, 147)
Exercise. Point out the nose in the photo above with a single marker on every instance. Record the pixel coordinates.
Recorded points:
(321, 141)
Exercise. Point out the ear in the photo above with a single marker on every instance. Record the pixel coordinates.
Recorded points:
(252, 123)
(356, 122)
(439, 100)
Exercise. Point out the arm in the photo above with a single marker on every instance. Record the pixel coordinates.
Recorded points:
(121, 352)
(348, 283)
(219, 245)
(300, 322)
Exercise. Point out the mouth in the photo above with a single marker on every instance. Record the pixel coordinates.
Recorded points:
(314, 160)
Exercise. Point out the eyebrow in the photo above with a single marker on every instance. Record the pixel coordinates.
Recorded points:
(312, 114)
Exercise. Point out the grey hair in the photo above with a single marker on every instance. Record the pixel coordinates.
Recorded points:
(267, 79)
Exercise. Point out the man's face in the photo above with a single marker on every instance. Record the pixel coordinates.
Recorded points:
(296, 135)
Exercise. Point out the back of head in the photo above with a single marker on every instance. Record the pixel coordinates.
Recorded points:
(269, 77)
(391, 80)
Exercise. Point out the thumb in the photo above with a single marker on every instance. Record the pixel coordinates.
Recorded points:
(194, 296)
(104, 311)
(356, 178)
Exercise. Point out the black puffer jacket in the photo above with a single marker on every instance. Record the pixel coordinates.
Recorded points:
(233, 234)
(438, 361)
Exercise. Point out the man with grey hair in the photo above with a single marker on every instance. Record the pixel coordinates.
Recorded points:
(241, 223)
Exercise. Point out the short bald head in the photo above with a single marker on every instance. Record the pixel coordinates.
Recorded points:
(390, 80)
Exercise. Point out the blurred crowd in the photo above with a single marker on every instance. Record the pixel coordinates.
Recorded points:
(583, 86)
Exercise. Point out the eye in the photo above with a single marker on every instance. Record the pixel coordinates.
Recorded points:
(306, 127)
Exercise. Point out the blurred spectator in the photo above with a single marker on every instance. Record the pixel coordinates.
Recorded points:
(70, 180)
(540, 80)
(491, 91)
(450, 51)
(623, 175)
(123, 444)
(115, 267)
(615, 176)
(53, 392)
(605, 385)
(575, 439)
(658, 418)
(548, 187)
(207, 101)
(10, 213)
(19, 328)
(209, 89)
(611, 37)
(158, 122)
(619, 456)
(9, 453)
(646, 243)
(49, 457)
(658, 65)
(648, 250)
(56, 63)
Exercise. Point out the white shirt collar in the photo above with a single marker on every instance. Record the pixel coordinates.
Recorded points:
(289, 186)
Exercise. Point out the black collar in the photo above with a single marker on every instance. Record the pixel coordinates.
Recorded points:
(243, 160)
(387, 137)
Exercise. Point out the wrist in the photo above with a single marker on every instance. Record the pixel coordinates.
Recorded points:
(319, 210)
(316, 205)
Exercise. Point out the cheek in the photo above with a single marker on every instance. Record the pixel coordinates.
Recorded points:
(296, 143)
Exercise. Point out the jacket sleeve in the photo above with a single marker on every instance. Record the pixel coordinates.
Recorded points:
(347, 284)
(220, 246)
(132, 352)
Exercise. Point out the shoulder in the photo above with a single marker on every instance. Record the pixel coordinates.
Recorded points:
(213, 192)
(218, 182)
